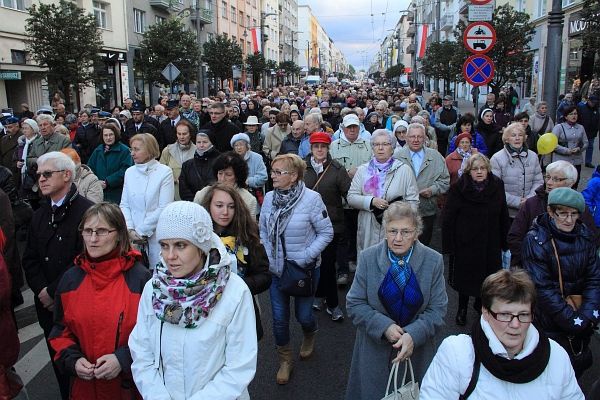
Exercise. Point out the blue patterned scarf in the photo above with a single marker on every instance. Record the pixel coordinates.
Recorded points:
(399, 292)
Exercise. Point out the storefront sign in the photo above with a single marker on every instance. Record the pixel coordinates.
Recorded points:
(114, 56)
(576, 24)
(10, 75)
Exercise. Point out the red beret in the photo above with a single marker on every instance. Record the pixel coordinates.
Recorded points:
(320, 137)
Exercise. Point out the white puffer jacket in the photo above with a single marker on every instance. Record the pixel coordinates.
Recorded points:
(521, 175)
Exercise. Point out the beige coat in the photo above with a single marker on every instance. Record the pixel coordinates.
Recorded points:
(173, 157)
(88, 184)
(400, 181)
(273, 140)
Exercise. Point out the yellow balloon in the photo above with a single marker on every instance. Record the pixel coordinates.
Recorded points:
(547, 143)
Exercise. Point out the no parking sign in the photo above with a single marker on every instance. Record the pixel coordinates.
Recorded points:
(478, 70)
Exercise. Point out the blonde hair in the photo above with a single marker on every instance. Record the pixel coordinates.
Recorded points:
(515, 127)
(293, 163)
(149, 142)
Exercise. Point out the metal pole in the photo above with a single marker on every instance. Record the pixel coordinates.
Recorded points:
(553, 57)
(262, 46)
(200, 85)
(437, 36)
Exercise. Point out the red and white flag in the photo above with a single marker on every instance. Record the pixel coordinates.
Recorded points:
(256, 42)
(422, 40)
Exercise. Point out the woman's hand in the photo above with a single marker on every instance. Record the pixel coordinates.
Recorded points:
(107, 367)
(393, 333)
(133, 236)
(379, 203)
(84, 369)
(406, 346)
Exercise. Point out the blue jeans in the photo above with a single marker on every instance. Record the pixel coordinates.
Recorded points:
(280, 308)
(589, 152)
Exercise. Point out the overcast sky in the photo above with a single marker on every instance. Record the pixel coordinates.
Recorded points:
(350, 25)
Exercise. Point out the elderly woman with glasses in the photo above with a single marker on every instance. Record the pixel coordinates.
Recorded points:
(506, 356)
(474, 227)
(397, 301)
(377, 184)
(561, 257)
(558, 174)
(572, 141)
(518, 167)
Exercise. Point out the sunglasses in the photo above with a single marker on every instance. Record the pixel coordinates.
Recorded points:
(47, 174)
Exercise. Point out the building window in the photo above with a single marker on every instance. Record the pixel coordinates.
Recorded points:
(566, 3)
(16, 4)
(159, 20)
(139, 21)
(224, 10)
(100, 12)
(233, 15)
(18, 57)
(241, 18)
(540, 8)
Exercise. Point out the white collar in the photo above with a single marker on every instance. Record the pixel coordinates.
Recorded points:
(532, 339)
(59, 202)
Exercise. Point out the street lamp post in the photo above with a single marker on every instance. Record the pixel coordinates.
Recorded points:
(264, 15)
(553, 56)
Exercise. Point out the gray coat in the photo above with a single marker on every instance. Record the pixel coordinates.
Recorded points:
(570, 137)
(306, 234)
(372, 352)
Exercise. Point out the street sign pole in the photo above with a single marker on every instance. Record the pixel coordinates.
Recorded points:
(171, 72)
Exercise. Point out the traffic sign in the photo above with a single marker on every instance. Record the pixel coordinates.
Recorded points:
(171, 72)
(481, 13)
(479, 37)
(478, 70)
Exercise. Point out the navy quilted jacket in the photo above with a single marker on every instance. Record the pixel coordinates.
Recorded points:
(580, 267)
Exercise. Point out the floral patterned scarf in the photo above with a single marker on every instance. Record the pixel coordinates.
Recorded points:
(375, 178)
(183, 301)
(465, 157)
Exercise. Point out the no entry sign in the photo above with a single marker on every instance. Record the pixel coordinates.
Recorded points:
(478, 70)
(479, 37)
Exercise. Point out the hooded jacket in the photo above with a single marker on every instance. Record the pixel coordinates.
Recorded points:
(88, 184)
(96, 310)
(197, 173)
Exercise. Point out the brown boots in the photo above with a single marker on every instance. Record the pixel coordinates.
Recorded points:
(285, 364)
(308, 345)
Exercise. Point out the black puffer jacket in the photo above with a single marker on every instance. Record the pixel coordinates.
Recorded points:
(580, 268)
(197, 173)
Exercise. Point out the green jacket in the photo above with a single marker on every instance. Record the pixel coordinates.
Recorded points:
(110, 167)
(41, 146)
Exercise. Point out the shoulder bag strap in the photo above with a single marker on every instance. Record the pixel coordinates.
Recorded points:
(321, 177)
(544, 126)
(560, 280)
(474, 378)
(283, 246)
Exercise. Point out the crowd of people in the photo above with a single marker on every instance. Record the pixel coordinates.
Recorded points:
(150, 231)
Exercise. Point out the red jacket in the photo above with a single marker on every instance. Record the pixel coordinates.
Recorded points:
(96, 306)
(9, 351)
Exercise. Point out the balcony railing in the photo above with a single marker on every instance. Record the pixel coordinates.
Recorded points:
(167, 5)
(205, 16)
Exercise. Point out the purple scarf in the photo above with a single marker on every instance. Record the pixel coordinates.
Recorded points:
(375, 178)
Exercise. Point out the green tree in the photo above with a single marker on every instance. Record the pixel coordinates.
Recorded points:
(315, 71)
(394, 71)
(591, 43)
(441, 62)
(290, 68)
(257, 64)
(168, 42)
(511, 54)
(351, 72)
(64, 39)
(221, 54)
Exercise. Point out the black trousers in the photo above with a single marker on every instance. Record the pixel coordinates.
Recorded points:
(427, 233)
(351, 225)
(327, 282)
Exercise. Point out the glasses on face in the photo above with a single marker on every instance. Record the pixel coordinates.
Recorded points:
(278, 172)
(404, 233)
(479, 169)
(564, 215)
(508, 317)
(554, 179)
(384, 144)
(47, 174)
(99, 232)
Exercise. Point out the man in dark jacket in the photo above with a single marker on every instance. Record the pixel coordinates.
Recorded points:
(8, 144)
(54, 239)
(589, 117)
(445, 123)
(166, 130)
(292, 142)
(138, 123)
(87, 136)
(558, 174)
(220, 129)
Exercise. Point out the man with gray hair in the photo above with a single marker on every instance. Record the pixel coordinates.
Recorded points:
(312, 123)
(433, 178)
(46, 142)
(53, 240)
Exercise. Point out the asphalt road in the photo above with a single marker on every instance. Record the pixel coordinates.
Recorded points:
(324, 376)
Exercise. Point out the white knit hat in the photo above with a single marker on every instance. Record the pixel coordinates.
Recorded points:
(32, 124)
(188, 221)
(239, 136)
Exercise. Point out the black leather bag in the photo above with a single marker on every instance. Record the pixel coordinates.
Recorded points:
(295, 280)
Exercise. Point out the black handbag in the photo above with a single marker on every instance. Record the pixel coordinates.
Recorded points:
(295, 280)
(22, 212)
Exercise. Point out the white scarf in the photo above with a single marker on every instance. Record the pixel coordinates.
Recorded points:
(25, 151)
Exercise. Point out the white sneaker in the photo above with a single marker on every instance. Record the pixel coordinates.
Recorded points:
(336, 313)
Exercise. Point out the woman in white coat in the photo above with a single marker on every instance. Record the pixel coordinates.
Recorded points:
(376, 185)
(195, 336)
(505, 356)
(148, 188)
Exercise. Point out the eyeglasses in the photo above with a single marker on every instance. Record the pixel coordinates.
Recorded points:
(277, 172)
(99, 232)
(404, 233)
(554, 179)
(563, 216)
(384, 144)
(508, 317)
(47, 174)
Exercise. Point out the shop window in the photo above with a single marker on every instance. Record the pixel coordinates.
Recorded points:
(18, 57)
(101, 14)
(16, 4)
(139, 21)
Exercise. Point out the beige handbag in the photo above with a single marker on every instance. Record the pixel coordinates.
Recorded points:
(407, 390)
